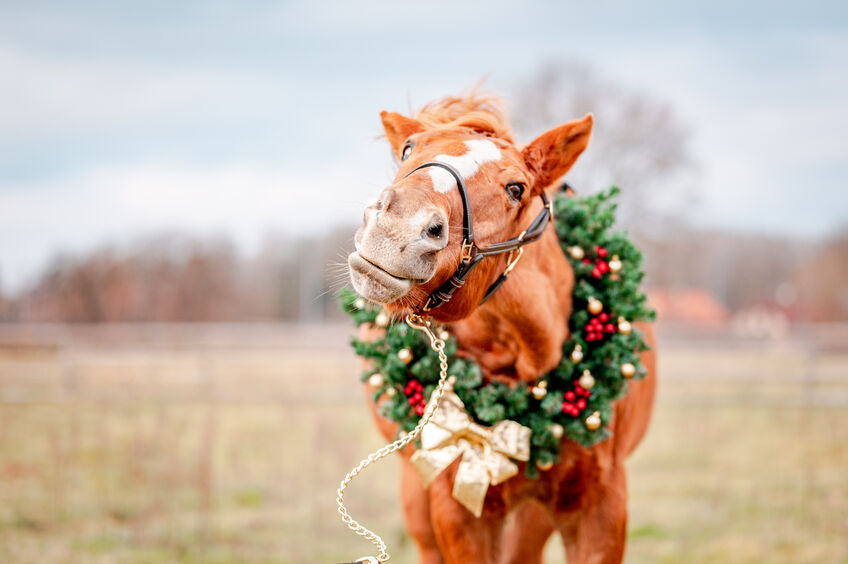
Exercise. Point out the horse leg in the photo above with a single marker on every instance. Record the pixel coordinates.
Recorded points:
(596, 533)
(462, 537)
(416, 510)
(525, 538)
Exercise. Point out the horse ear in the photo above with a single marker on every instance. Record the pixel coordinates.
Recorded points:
(399, 128)
(551, 154)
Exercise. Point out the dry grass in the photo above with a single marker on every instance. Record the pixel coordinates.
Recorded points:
(194, 448)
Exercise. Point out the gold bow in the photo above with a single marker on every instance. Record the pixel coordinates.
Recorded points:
(485, 451)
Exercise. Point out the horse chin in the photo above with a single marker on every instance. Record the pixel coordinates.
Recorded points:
(375, 284)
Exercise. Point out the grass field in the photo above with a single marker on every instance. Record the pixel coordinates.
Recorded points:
(225, 444)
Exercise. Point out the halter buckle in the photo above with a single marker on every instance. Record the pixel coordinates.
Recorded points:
(467, 251)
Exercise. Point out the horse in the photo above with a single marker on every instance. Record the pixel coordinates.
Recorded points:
(411, 243)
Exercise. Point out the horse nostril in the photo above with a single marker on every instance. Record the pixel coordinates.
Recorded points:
(435, 230)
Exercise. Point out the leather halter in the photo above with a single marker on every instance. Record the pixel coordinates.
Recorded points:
(472, 255)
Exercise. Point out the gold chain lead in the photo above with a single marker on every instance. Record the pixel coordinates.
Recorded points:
(422, 324)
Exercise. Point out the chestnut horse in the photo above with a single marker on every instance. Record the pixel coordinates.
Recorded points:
(409, 245)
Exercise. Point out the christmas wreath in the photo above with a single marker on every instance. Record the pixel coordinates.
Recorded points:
(575, 400)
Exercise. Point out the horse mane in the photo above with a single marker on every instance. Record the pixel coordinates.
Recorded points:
(482, 113)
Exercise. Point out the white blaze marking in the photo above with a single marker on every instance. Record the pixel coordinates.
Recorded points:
(480, 151)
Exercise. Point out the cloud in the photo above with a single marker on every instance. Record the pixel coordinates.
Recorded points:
(212, 118)
(51, 93)
(243, 201)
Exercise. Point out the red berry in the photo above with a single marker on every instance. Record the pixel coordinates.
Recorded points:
(596, 273)
(419, 410)
(604, 317)
(581, 404)
(578, 389)
(610, 328)
(586, 261)
(602, 252)
(569, 396)
(603, 267)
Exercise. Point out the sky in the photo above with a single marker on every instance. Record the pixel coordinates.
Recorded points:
(239, 119)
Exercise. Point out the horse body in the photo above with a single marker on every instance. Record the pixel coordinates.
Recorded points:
(516, 337)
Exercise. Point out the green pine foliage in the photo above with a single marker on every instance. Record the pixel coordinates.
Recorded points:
(583, 222)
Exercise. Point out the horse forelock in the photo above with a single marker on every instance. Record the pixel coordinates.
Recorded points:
(478, 112)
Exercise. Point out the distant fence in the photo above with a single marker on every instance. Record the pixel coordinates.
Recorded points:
(299, 366)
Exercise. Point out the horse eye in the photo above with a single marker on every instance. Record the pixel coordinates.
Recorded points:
(515, 190)
(406, 152)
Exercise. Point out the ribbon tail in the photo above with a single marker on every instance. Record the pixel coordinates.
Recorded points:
(471, 482)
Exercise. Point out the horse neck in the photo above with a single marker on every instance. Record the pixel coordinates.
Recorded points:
(518, 333)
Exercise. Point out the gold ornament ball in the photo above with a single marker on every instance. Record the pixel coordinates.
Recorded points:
(595, 306)
(557, 430)
(444, 335)
(391, 392)
(359, 303)
(544, 466)
(577, 354)
(624, 326)
(593, 421)
(376, 380)
(405, 356)
(382, 319)
(539, 392)
(576, 253)
(587, 381)
(615, 264)
(628, 370)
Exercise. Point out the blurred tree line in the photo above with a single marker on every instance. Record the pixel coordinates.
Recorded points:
(639, 143)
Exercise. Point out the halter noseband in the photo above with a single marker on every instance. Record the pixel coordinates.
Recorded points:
(472, 254)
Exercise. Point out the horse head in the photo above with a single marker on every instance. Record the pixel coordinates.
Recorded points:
(411, 238)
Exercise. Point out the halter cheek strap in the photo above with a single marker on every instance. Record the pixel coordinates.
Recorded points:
(471, 254)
